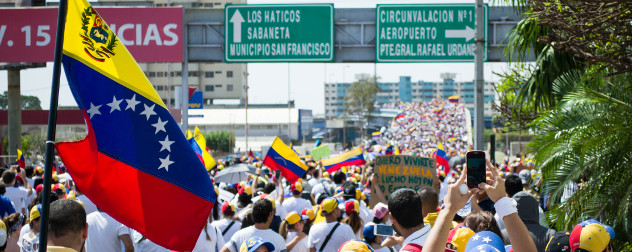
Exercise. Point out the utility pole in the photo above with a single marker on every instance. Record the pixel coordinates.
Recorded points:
(246, 87)
(184, 95)
(289, 107)
(479, 105)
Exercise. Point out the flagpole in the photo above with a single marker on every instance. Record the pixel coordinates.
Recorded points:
(52, 121)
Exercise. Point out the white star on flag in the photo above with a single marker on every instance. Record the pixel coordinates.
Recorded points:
(486, 239)
(475, 238)
(160, 125)
(115, 104)
(164, 163)
(131, 103)
(94, 110)
(149, 111)
(166, 144)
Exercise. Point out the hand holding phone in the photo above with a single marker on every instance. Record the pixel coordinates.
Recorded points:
(383, 230)
(475, 168)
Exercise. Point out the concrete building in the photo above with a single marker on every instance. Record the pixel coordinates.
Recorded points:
(408, 91)
(265, 121)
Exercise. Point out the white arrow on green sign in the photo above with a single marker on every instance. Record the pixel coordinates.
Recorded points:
(426, 33)
(279, 33)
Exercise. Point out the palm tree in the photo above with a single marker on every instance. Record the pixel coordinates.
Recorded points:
(587, 138)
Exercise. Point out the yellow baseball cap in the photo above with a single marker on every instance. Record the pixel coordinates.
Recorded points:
(354, 246)
(328, 205)
(293, 217)
(460, 238)
(309, 213)
(35, 212)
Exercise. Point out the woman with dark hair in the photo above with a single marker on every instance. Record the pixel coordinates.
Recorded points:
(352, 208)
(14, 223)
(482, 221)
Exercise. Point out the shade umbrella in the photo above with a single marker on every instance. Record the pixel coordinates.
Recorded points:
(235, 173)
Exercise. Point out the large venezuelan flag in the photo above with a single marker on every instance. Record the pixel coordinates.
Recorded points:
(135, 163)
(352, 157)
(442, 158)
(281, 157)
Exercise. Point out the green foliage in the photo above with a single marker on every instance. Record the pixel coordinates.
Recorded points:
(361, 96)
(28, 102)
(222, 141)
(512, 113)
(536, 88)
(585, 138)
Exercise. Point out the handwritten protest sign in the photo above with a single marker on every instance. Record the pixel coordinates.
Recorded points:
(402, 171)
(321, 152)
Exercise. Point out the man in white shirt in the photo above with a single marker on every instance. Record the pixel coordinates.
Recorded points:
(17, 195)
(407, 219)
(296, 203)
(262, 213)
(227, 225)
(87, 203)
(106, 234)
(318, 233)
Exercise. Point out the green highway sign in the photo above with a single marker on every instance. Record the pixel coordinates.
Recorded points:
(279, 33)
(426, 33)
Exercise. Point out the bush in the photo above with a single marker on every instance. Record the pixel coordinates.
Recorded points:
(221, 141)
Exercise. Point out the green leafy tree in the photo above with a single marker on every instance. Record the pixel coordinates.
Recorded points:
(28, 102)
(585, 139)
(361, 96)
(221, 141)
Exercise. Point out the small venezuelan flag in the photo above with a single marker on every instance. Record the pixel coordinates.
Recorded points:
(352, 157)
(20, 161)
(442, 158)
(282, 157)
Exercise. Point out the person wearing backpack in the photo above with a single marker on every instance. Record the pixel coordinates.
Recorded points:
(330, 234)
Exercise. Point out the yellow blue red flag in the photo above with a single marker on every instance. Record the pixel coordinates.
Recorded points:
(352, 157)
(135, 163)
(282, 157)
(209, 161)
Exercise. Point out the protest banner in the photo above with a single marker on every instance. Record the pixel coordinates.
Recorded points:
(321, 152)
(402, 171)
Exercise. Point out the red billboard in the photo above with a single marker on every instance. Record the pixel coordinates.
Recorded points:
(150, 34)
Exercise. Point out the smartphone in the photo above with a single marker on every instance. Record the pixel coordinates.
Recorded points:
(383, 230)
(475, 168)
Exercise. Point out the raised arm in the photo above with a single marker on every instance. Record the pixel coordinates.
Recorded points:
(453, 202)
(519, 236)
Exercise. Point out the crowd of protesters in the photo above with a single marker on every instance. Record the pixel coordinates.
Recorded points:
(419, 127)
(326, 211)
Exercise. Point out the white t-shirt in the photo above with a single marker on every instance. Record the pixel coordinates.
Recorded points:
(418, 237)
(17, 195)
(296, 204)
(301, 246)
(266, 234)
(27, 243)
(145, 245)
(89, 206)
(222, 224)
(280, 210)
(104, 232)
(216, 240)
(319, 232)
